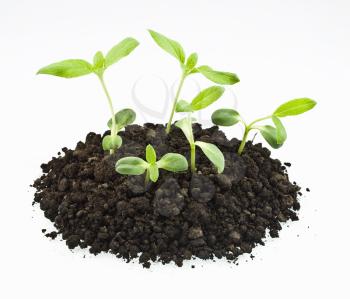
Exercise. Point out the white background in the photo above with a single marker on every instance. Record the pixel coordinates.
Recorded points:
(280, 49)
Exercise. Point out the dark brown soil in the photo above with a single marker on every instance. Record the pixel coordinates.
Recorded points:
(182, 216)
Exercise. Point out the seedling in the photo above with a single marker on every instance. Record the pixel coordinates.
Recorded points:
(201, 101)
(275, 136)
(212, 152)
(72, 68)
(137, 166)
(189, 67)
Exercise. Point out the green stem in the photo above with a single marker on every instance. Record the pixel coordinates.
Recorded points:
(193, 157)
(247, 129)
(182, 80)
(244, 139)
(147, 177)
(110, 104)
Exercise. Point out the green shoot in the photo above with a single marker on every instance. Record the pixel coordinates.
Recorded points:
(72, 68)
(137, 166)
(189, 67)
(212, 152)
(274, 135)
(201, 101)
(122, 118)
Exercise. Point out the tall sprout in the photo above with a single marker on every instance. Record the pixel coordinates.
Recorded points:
(188, 67)
(72, 68)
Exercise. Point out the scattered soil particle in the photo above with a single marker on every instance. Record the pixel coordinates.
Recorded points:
(182, 216)
(52, 235)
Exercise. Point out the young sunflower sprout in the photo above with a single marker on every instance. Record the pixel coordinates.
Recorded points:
(201, 101)
(212, 152)
(137, 166)
(72, 68)
(274, 135)
(189, 67)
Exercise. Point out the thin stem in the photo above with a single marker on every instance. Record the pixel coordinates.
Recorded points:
(193, 157)
(244, 139)
(147, 177)
(182, 80)
(110, 104)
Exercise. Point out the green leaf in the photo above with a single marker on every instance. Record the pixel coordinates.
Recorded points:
(131, 166)
(207, 97)
(213, 153)
(69, 68)
(99, 61)
(185, 125)
(295, 107)
(281, 134)
(153, 172)
(123, 118)
(183, 106)
(173, 162)
(124, 48)
(110, 142)
(225, 117)
(169, 45)
(270, 135)
(217, 76)
(191, 61)
(151, 156)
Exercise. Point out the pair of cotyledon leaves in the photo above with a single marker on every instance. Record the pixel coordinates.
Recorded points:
(189, 65)
(136, 166)
(72, 68)
(275, 136)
